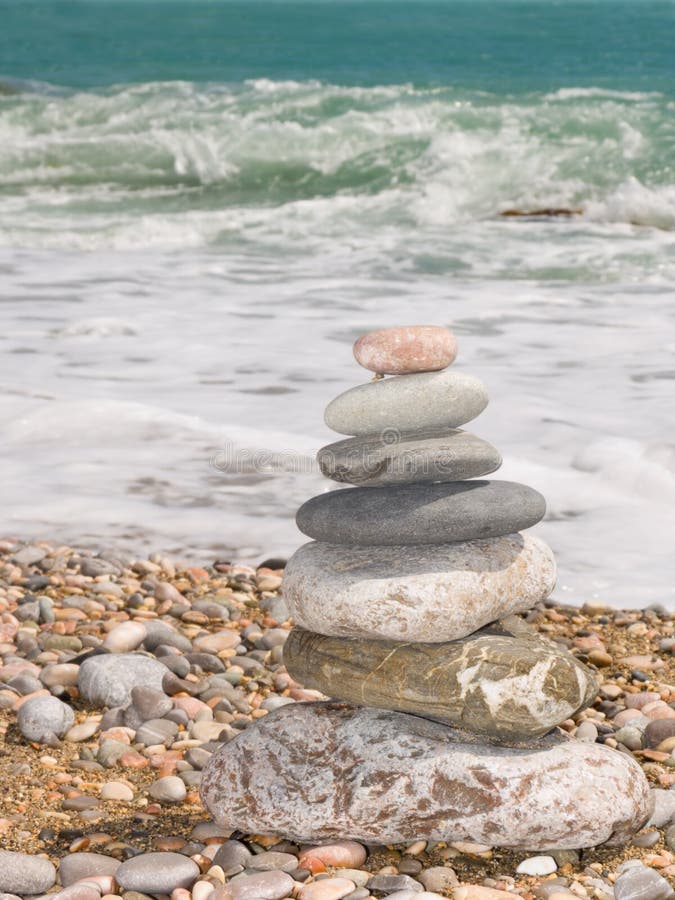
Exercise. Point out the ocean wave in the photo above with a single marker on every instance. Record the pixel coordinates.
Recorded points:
(83, 169)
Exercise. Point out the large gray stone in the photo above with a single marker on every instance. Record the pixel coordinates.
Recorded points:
(407, 402)
(44, 719)
(107, 680)
(423, 456)
(24, 873)
(421, 513)
(320, 771)
(417, 593)
(504, 687)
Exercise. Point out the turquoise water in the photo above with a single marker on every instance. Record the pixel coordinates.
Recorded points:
(492, 45)
(202, 204)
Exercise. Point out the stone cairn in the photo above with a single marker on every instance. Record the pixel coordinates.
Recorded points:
(442, 722)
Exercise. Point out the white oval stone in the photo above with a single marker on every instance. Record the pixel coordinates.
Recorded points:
(537, 865)
(445, 399)
(320, 771)
(125, 637)
(426, 593)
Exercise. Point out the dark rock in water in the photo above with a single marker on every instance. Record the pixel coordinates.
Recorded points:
(421, 513)
(320, 771)
(422, 456)
(509, 688)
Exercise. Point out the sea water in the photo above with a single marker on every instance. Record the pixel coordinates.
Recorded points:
(203, 204)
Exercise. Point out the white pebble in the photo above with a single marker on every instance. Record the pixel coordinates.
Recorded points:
(537, 865)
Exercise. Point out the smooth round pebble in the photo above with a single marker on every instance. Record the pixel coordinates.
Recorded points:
(116, 790)
(157, 873)
(537, 865)
(261, 886)
(339, 855)
(405, 349)
(41, 718)
(24, 873)
(641, 883)
(77, 866)
(169, 789)
(327, 889)
(107, 679)
(125, 637)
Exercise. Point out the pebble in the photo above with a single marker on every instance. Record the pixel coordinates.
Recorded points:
(390, 883)
(537, 865)
(157, 873)
(439, 878)
(77, 866)
(118, 791)
(23, 873)
(327, 889)
(125, 637)
(405, 349)
(169, 789)
(339, 855)
(587, 731)
(641, 883)
(407, 403)
(272, 859)
(450, 590)
(43, 719)
(261, 886)
(419, 513)
(107, 680)
(664, 808)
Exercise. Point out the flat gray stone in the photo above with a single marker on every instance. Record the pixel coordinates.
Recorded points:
(42, 719)
(421, 513)
(641, 883)
(23, 873)
(504, 687)
(445, 399)
(417, 457)
(320, 771)
(157, 873)
(76, 866)
(107, 680)
(261, 886)
(418, 593)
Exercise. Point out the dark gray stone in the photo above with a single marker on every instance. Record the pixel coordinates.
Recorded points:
(424, 456)
(421, 513)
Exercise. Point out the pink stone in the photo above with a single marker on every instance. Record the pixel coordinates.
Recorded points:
(621, 718)
(327, 889)
(406, 349)
(340, 855)
(478, 892)
(637, 701)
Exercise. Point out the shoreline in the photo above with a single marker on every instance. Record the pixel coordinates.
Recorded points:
(51, 800)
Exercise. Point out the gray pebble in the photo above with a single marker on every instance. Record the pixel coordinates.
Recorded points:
(157, 873)
(261, 886)
(156, 731)
(80, 865)
(390, 883)
(107, 679)
(41, 719)
(161, 633)
(664, 808)
(641, 883)
(232, 853)
(439, 878)
(23, 873)
(170, 789)
(272, 859)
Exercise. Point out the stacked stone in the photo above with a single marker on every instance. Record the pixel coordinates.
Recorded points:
(444, 701)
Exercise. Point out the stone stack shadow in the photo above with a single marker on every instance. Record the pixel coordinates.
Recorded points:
(405, 602)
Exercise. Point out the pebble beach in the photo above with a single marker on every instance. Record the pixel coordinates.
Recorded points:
(100, 774)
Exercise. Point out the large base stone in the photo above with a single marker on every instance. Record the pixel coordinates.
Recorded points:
(416, 593)
(509, 688)
(320, 771)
